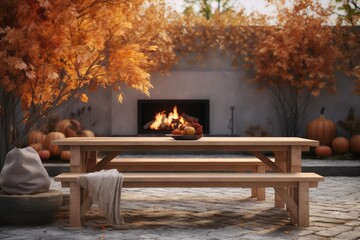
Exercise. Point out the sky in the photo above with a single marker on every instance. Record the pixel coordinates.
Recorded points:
(249, 5)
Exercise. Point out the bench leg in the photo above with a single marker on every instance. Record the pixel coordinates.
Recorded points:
(297, 203)
(75, 205)
(303, 204)
(293, 192)
(260, 192)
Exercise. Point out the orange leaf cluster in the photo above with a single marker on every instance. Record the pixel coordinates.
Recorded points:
(298, 47)
(228, 31)
(349, 40)
(300, 51)
(57, 49)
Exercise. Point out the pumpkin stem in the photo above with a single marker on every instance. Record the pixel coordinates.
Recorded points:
(322, 111)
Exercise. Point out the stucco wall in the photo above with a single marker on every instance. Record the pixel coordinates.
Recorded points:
(224, 87)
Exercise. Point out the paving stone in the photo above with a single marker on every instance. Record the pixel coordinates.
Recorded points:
(353, 223)
(323, 225)
(357, 228)
(332, 232)
(351, 235)
(313, 237)
(326, 219)
(210, 213)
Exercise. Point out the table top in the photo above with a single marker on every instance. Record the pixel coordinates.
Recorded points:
(168, 141)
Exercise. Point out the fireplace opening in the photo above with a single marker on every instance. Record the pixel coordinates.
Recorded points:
(170, 113)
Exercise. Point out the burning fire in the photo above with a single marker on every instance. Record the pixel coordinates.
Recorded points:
(172, 121)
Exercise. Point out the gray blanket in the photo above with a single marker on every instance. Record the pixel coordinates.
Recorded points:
(23, 173)
(105, 190)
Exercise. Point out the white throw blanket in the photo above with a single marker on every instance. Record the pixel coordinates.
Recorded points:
(105, 190)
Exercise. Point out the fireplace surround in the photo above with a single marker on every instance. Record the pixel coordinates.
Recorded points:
(147, 110)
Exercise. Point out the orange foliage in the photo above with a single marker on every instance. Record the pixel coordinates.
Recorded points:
(57, 49)
(54, 50)
(300, 51)
(349, 41)
(229, 31)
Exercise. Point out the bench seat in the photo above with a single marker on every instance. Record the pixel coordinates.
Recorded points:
(183, 164)
(186, 164)
(293, 188)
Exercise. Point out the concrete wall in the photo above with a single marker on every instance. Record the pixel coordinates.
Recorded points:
(224, 87)
(99, 118)
(336, 106)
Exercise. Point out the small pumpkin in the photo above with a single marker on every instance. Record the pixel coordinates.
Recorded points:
(322, 129)
(65, 155)
(87, 133)
(54, 149)
(44, 154)
(62, 124)
(36, 136)
(69, 127)
(37, 146)
(323, 151)
(340, 145)
(355, 144)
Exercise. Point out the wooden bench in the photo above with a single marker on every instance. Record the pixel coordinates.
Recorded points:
(292, 187)
(192, 165)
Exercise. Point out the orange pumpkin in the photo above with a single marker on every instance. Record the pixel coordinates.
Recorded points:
(340, 145)
(322, 129)
(69, 127)
(36, 146)
(36, 136)
(54, 149)
(323, 151)
(65, 155)
(87, 133)
(44, 154)
(62, 124)
(355, 144)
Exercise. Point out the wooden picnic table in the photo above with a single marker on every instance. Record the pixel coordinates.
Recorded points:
(287, 150)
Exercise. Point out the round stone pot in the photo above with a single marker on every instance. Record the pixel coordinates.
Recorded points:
(33, 209)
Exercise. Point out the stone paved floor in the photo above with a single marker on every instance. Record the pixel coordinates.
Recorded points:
(221, 213)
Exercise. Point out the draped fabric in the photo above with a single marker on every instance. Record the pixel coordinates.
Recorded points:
(104, 189)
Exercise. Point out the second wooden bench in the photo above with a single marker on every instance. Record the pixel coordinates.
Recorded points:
(168, 164)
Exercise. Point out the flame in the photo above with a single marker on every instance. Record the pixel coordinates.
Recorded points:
(171, 121)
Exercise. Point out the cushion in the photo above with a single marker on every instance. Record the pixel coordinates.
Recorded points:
(23, 173)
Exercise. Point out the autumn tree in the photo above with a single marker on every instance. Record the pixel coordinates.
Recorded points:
(293, 54)
(295, 59)
(52, 51)
(207, 8)
(349, 10)
(349, 16)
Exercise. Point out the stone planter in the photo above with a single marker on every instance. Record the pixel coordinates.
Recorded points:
(31, 209)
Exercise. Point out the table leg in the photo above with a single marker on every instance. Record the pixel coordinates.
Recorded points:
(294, 167)
(91, 160)
(280, 161)
(295, 159)
(77, 160)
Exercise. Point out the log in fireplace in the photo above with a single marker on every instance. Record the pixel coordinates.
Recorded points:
(161, 116)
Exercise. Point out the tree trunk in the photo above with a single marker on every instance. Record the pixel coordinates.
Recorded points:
(290, 107)
(7, 123)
